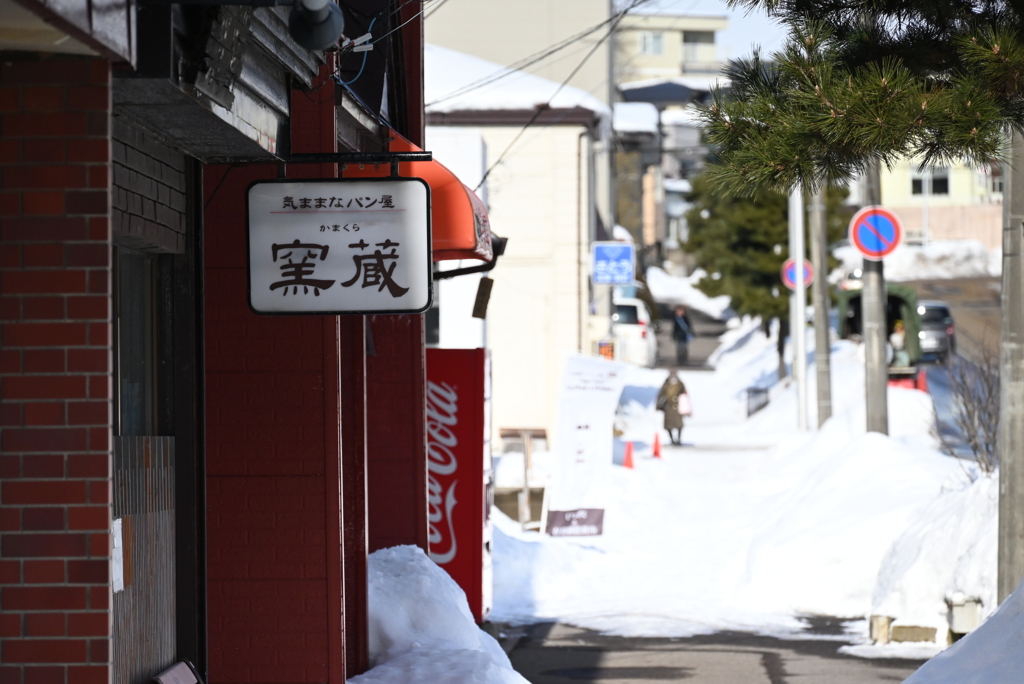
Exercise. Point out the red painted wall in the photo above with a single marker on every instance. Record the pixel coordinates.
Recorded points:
(55, 365)
(273, 453)
(396, 432)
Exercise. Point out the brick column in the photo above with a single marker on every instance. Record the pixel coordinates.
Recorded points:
(55, 364)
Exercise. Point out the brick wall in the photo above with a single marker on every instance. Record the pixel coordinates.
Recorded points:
(149, 191)
(54, 371)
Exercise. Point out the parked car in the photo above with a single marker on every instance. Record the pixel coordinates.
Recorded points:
(937, 334)
(635, 339)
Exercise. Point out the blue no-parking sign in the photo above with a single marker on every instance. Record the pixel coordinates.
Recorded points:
(613, 263)
(875, 232)
(789, 273)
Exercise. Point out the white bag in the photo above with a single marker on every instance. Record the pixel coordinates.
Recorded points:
(684, 405)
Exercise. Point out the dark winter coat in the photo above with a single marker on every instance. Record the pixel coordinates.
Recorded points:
(668, 402)
(682, 328)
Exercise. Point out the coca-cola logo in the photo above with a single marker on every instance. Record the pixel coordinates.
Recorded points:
(442, 417)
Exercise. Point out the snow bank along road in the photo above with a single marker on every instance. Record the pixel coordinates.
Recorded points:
(558, 654)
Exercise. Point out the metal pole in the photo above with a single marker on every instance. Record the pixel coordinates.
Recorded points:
(798, 327)
(524, 496)
(873, 306)
(822, 304)
(1011, 378)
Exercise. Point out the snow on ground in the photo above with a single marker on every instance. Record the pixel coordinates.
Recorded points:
(750, 525)
(421, 629)
(670, 289)
(940, 259)
(916, 579)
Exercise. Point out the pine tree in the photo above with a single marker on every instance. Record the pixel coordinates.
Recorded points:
(937, 80)
(742, 243)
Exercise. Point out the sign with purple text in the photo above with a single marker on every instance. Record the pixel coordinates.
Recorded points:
(789, 273)
(875, 232)
(335, 246)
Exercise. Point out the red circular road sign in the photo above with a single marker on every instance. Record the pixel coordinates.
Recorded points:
(876, 232)
(789, 273)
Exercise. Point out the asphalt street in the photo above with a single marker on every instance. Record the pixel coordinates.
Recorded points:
(974, 303)
(561, 654)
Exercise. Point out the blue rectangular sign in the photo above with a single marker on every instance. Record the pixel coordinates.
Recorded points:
(613, 263)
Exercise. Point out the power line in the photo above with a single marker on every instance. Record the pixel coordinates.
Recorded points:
(618, 18)
(528, 60)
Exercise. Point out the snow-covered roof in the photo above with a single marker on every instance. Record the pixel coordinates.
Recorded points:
(635, 117)
(703, 82)
(685, 116)
(447, 72)
(677, 185)
(621, 233)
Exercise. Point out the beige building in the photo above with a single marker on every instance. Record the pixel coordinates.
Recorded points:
(949, 203)
(666, 46)
(509, 33)
(541, 197)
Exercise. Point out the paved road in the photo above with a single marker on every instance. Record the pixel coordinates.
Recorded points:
(706, 333)
(560, 654)
(974, 303)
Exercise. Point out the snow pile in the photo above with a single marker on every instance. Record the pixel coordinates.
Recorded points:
(508, 469)
(454, 81)
(992, 654)
(635, 117)
(947, 551)
(669, 289)
(940, 259)
(421, 628)
(749, 526)
(621, 233)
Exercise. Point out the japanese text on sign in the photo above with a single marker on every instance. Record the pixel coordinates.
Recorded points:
(613, 263)
(339, 246)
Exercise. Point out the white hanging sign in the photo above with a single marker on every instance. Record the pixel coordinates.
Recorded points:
(359, 245)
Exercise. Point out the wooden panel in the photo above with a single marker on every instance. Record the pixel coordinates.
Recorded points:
(144, 612)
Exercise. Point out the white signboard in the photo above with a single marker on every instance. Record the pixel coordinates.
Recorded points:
(339, 246)
(576, 497)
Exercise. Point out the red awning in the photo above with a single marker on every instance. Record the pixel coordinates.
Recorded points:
(458, 218)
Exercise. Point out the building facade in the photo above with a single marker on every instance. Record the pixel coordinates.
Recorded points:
(184, 479)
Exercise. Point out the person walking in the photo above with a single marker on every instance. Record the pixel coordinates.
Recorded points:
(682, 333)
(671, 397)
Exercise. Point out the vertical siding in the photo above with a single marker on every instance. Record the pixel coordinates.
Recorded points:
(144, 612)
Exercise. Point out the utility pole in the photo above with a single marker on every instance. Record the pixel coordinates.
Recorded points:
(1011, 377)
(798, 318)
(822, 304)
(873, 303)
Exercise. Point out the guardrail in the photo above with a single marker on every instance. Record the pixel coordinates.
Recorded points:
(757, 399)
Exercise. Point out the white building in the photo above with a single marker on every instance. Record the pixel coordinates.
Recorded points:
(541, 197)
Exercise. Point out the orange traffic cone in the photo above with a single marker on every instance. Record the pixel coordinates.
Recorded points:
(657, 445)
(627, 461)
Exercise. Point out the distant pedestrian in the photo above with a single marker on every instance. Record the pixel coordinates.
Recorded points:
(674, 402)
(682, 333)
(898, 340)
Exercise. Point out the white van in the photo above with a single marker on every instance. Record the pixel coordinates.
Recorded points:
(635, 341)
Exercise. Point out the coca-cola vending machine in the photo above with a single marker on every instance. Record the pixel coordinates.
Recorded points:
(459, 477)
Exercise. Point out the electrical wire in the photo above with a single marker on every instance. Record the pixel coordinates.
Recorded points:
(617, 19)
(422, 9)
(525, 62)
(362, 66)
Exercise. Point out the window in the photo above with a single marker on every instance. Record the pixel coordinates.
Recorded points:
(698, 48)
(135, 343)
(939, 181)
(652, 42)
(626, 314)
